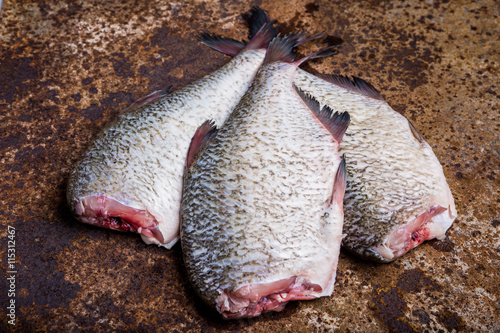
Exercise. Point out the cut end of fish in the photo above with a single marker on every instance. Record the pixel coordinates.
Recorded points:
(254, 299)
(108, 213)
(429, 225)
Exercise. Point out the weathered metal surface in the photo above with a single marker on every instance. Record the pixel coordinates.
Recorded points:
(68, 67)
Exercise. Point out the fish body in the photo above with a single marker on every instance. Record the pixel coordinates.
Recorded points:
(396, 195)
(130, 178)
(262, 204)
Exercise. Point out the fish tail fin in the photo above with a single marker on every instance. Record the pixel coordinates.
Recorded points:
(225, 45)
(262, 32)
(322, 53)
(281, 49)
(262, 38)
(340, 183)
(258, 19)
(305, 37)
(335, 122)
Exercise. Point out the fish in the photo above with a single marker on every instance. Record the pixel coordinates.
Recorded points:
(396, 195)
(130, 178)
(261, 212)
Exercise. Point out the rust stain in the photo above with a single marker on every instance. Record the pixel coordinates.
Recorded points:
(390, 305)
(68, 68)
(14, 73)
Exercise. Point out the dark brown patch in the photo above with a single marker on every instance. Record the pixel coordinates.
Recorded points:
(93, 112)
(311, 8)
(122, 65)
(333, 40)
(40, 242)
(391, 308)
(451, 320)
(414, 280)
(422, 316)
(495, 223)
(14, 72)
(445, 245)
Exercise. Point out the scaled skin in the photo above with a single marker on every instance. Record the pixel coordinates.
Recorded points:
(137, 162)
(258, 225)
(396, 195)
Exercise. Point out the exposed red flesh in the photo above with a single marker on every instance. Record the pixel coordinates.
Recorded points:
(109, 213)
(412, 234)
(255, 299)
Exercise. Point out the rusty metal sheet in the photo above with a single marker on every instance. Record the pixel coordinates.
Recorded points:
(68, 67)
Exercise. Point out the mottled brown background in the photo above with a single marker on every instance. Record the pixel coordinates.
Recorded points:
(68, 67)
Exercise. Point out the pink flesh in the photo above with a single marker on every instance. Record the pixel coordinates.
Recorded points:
(109, 213)
(414, 233)
(255, 299)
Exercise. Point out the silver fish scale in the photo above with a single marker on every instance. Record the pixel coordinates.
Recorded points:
(139, 158)
(254, 200)
(380, 149)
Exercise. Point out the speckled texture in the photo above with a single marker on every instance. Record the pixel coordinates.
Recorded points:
(395, 180)
(258, 206)
(68, 67)
(138, 160)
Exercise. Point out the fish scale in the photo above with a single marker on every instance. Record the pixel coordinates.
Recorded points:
(394, 177)
(253, 209)
(138, 159)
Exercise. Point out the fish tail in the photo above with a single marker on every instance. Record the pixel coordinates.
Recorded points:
(322, 53)
(263, 37)
(262, 32)
(304, 37)
(258, 19)
(281, 49)
(225, 45)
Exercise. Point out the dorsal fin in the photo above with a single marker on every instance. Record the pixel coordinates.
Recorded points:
(335, 122)
(155, 95)
(355, 84)
(200, 138)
